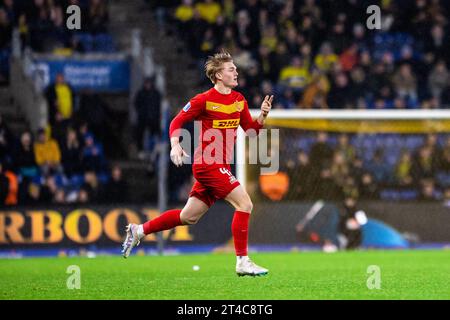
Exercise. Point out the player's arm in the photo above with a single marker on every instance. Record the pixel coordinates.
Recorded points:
(190, 112)
(246, 120)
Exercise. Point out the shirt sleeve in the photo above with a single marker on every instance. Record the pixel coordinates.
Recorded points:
(191, 111)
(247, 122)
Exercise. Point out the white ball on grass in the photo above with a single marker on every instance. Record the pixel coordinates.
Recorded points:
(195, 268)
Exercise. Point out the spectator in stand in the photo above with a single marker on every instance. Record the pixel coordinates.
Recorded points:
(148, 109)
(4, 186)
(116, 190)
(321, 152)
(60, 101)
(92, 158)
(6, 141)
(24, 157)
(403, 170)
(71, 153)
(326, 58)
(295, 76)
(423, 166)
(209, 10)
(438, 80)
(12, 184)
(47, 154)
(405, 82)
(97, 16)
(378, 168)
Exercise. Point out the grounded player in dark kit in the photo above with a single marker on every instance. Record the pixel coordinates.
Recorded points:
(221, 111)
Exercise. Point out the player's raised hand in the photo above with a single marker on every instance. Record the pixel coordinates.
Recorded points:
(176, 155)
(266, 105)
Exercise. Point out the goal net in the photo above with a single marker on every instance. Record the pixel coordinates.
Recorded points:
(315, 160)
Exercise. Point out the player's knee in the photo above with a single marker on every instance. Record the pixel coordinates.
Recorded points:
(245, 206)
(189, 220)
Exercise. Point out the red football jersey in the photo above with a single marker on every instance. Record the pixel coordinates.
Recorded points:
(220, 116)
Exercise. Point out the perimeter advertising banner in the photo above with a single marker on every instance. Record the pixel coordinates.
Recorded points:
(104, 75)
(102, 226)
(272, 223)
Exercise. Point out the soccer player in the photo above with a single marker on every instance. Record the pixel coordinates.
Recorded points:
(221, 110)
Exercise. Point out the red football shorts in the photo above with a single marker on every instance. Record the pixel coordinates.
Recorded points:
(212, 183)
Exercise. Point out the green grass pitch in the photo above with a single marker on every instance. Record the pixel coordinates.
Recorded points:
(293, 276)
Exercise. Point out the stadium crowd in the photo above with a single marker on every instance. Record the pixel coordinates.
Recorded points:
(42, 26)
(65, 162)
(319, 54)
(333, 167)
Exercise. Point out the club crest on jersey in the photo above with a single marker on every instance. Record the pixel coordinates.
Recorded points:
(187, 107)
(239, 105)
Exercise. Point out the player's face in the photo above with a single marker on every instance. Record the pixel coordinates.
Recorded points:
(229, 75)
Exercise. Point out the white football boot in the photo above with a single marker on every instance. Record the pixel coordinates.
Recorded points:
(131, 240)
(246, 267)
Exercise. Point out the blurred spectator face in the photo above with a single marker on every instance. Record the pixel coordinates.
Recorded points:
(441, 67)
(405, 70)
(380, 104)
(60, 78)
(267, 88)
(399, 103)
(187, 3)
(243, 19)
(367, 179)
(406, 157)
(366, 60)
(306, 50)
(322, 137)
(338, 159)
(431, 140)
(358, 75)
(357, 163)
(341, 80)
(359, 31)
(296, 62)
(71, 135)
(39, 3)
(51, 184)
(407, 52)
(437, 32)
(425, 153)
(326, 49)
(89, 141)
(83, 196)
(60, 196)
(350, 202)
(343, 140)
(148, 84)
(25, 139)
(264, 51)
(91, 178)
(307, 23)
(42, 137)
(325, 173)
(116, 173)
(428, 189)
(34, 191)
(303, 158)
(339, 28)
(3, 17)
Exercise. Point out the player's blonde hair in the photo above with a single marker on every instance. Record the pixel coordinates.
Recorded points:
(215, 63)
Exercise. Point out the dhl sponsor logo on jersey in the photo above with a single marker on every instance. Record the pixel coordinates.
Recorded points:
(226, 124)
(237, 106)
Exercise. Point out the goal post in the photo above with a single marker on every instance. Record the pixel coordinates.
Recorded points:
(359, 159)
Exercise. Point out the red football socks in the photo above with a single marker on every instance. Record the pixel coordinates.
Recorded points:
(239, 228)
(168, 220)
